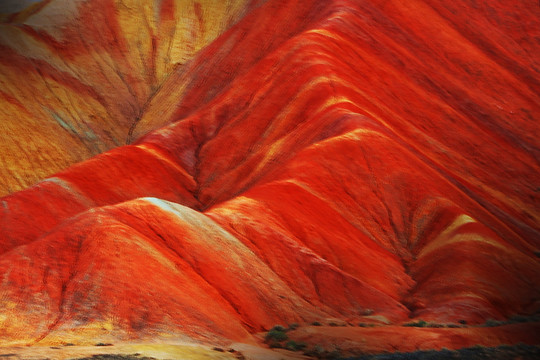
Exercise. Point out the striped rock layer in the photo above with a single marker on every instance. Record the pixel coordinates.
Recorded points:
(319, 159)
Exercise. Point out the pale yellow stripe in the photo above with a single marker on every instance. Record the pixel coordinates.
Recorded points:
(445, 239)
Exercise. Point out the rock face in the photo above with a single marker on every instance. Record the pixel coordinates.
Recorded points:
(318, 159)
(76, 75)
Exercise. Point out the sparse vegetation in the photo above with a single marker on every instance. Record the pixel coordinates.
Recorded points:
(276, 336)
(492, 323)
(336, 322)
(489, 323)
(522, 318)
(295, 346)
(419, 323)
(503, 352)
(366, 325)
(512, 320)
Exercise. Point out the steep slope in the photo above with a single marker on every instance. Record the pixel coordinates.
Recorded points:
(76, 75)
(344, 159)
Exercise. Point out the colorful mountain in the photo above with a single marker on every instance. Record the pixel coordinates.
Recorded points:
(222, 167)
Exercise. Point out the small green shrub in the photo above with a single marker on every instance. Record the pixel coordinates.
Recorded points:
(435, 325)
(295, 346)
(276, 335)
(453, 326)
(316, 323)
(419, 323)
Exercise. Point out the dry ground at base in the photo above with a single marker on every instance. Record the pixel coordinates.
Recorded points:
(154, 351)
(345, 340)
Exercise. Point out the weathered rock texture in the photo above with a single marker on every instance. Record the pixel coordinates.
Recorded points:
(318, 159)
(76, 75)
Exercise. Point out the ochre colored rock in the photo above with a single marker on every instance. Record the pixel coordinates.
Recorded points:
(76, 75)
(355, 160)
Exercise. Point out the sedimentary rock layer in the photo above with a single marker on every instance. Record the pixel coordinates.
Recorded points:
(343, 159)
